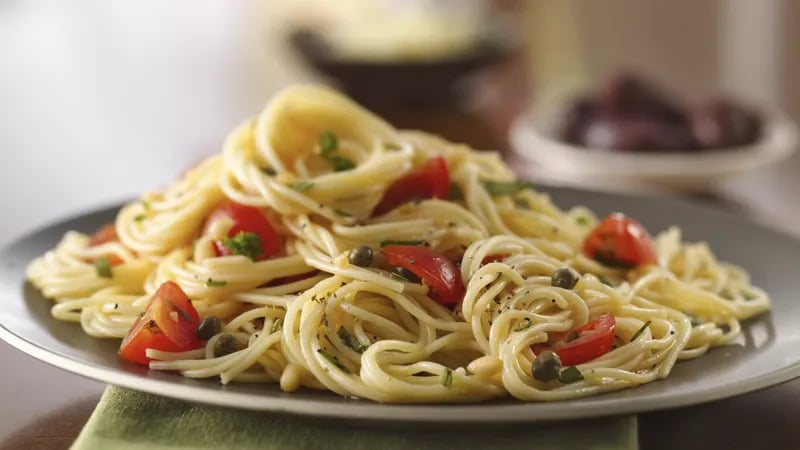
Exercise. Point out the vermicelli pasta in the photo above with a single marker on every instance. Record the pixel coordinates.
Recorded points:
(321, 310)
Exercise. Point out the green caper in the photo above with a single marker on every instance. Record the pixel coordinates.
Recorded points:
(546, 366)
(208, 327)
(225, 345)
(360, 256)
(407, 274)
(565, 277)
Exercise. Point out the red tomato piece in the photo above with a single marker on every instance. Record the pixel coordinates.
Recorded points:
(583, 344)
(106, 233)
(429, 181)
(436, 271)
(619, 241)
(246, 219)
(169, 324)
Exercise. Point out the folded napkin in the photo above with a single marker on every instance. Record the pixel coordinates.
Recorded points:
(130, 420)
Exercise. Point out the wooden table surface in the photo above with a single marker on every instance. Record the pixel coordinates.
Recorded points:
(101, 100)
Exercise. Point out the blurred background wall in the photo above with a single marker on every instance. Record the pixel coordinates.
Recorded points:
(102, 99)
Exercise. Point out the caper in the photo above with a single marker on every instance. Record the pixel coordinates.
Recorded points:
(565, 277)
(546, 366)
(208, 327)
(407, 274)
(360, 256)
(225, 345)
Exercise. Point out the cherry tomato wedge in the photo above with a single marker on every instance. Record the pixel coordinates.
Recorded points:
(435, 270)
(169, 324)
(246, 219)
(429, 181)
(106, 233)
(619, 241)
(583, 344)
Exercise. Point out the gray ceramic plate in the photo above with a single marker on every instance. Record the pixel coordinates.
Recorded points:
(767, 353)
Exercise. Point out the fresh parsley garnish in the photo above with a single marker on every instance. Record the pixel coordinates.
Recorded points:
(340, 163)
(447, 378)
(570, 375)
(103, 268)
(277, 325)
(140, 217)
(500, 188)
(401, 242)
(245, 243)
(216, 283)
(582, 221)
(605, 281)
(328, 146)
(341, 212)
(328, 142)
(333, 360)
(351, 341)
(524, 325)
(640, 331)
(301, 186)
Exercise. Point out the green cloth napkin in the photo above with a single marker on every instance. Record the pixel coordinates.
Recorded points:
(131, 420)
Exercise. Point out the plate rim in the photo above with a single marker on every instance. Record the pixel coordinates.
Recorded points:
(486, 412)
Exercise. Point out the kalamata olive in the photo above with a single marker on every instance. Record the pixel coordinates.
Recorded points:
(721, 123)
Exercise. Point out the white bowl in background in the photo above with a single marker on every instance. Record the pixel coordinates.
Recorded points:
(533, 140)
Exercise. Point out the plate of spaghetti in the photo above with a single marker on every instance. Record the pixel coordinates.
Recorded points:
(325, 263)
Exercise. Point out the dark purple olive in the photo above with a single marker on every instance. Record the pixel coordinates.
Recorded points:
(638, 135)
(576, 119)
(630, 95)
(721, 123)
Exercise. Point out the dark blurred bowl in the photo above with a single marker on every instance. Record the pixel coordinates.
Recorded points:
(403, 84)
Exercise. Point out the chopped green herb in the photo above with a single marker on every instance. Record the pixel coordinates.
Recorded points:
(640, 331)
(392, 146)
(328, 146)
(605, 281)
(455, 192)
(524, 325)
(341, 212)
(351, 341)
(269, 171)
(340, 163)
(146, 205)
(333, 360)
(447, 378)
(140, 217)
(103, 268)
(277, 325)
(245, 243)
(328, 142)
(572, 336)
(183, 313)
(216, 283)
(401, 242)
(582, 221)
(499, 188)
(570, 375)
(695, 319)
(301, 186)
